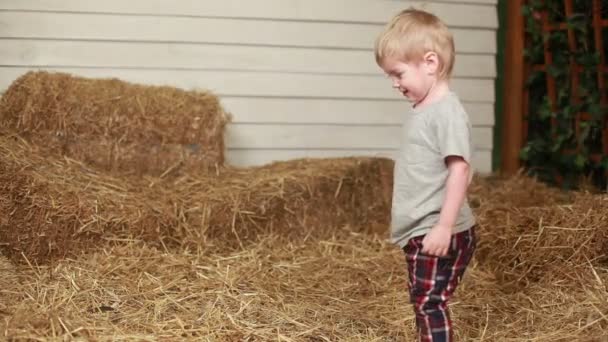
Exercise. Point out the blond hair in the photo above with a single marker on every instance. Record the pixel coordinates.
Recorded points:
(411, 34)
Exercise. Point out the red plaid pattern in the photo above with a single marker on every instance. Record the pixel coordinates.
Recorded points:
(432, 282)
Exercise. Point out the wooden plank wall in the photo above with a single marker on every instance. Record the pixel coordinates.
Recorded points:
(299, 76)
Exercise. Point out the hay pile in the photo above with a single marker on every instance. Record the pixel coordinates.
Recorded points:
(116, 126)
(343, 285)
(544, 260)
(85, 162)
(52, 208)
(293, 251)
(544, 244)
(495, 192)
(539, 232)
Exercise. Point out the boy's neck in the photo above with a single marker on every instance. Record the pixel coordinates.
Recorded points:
(437, 91)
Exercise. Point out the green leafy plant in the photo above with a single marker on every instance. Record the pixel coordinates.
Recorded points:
(562, 146)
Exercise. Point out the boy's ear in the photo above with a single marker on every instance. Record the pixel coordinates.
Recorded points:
(431, 61)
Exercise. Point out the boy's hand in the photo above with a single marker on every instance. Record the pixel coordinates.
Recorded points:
(437, 241)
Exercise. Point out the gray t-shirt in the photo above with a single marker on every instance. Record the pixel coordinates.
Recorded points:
(430, 134)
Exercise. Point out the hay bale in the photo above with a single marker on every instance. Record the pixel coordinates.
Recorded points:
(291, 197)
(541, 243)
(51, 206)
(55, 207)
(514, 191)
(115, 125)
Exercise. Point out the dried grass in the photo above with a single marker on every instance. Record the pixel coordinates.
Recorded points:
(329, 283)
(348, 286)
(52, 208)
(117, 126)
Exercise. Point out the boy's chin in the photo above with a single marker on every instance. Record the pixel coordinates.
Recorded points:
(410, 99)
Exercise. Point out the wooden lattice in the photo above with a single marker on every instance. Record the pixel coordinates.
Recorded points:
(600, 27)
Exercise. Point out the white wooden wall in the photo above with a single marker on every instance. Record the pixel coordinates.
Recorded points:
(299, 76)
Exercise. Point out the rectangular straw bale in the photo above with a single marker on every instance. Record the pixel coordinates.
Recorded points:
(53, 207)
(543, 243)
(115, 125)
(293, 198)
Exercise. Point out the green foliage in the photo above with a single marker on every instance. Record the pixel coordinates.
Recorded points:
(554, 151)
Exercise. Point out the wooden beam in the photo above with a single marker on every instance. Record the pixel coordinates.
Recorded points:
(513, 115)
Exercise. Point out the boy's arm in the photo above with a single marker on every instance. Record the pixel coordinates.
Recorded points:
(456, 190)
(437, 241)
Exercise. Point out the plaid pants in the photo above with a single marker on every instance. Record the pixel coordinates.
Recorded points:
(432, 281)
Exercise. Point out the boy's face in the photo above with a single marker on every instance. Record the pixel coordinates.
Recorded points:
(413, 79)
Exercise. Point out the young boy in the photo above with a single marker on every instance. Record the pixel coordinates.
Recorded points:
(431, 219)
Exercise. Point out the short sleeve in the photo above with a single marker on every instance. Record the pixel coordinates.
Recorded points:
(453, 134)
